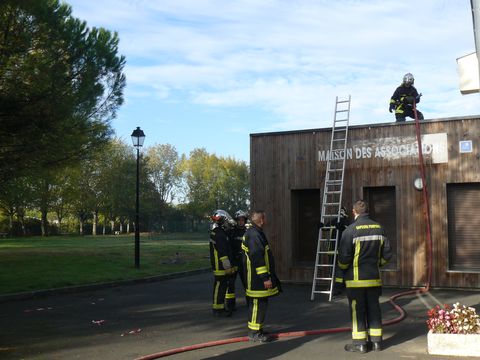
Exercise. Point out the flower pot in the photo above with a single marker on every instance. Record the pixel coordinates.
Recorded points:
(453, 344)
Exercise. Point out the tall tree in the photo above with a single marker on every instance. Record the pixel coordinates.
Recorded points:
(163, 167)
(60, 84)
(214, 182)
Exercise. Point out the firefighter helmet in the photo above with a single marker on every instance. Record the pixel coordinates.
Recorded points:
(241, 213)
(220, 217)
(408, 79)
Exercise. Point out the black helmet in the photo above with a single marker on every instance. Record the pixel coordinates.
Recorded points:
(220, 217)
(241, 213)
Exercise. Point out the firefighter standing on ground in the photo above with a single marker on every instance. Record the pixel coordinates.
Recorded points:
(221, 260)
(340, 226)
(403, 99)
(362, 249)
(236, 238)
(259, 274)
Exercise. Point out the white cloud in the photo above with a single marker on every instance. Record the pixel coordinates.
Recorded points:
(291, 58)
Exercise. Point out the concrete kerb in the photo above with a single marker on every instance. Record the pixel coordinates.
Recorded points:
(88, 287)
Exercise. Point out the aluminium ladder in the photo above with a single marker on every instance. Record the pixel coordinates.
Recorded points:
(326, 257)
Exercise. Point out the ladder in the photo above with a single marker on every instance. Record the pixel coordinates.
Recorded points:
(326, 257)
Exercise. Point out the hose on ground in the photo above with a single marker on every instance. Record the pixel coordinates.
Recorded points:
(392, 299)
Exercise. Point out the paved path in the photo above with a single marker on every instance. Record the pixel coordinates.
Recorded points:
(176, 312)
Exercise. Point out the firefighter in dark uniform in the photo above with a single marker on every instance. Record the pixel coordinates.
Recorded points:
(403, 99)
(236, 238)
(362, 249)
(334, 226)
(221, 260)
(340, 226)
(259, 273)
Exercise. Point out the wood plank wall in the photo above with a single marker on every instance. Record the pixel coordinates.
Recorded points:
(282, 162)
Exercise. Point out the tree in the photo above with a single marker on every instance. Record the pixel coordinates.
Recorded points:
(15, 196)
(117, 181)
(60, 84)
(214, 182)
(162, 163)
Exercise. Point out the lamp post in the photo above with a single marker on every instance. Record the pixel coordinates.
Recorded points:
(137, 138)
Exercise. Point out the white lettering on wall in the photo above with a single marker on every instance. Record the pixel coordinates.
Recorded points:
(434, 146)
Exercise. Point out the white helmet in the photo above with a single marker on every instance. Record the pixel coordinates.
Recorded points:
(408, 79)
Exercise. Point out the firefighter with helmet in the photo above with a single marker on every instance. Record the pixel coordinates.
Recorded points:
(221, 260)
(260, 276)
(403, 99)
(236, 239)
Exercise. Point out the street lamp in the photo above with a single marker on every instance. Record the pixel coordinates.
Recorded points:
(138, 138)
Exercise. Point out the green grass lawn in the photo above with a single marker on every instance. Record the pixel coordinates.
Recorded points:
(42, 263)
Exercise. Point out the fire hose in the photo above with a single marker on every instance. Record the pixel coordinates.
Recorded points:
(398, 308)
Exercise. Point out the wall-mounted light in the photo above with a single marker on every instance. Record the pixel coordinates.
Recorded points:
(418, 184)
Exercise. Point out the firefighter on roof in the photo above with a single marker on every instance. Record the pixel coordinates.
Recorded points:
(403, 99)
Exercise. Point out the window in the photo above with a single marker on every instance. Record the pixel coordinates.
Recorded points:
(306, 219)
(463, 201)
(382, 208)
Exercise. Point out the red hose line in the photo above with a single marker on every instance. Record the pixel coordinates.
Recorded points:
(277, 335)
(426, 288)
(426, 206)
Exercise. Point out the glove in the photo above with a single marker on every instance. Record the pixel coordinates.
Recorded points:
(418, 96)
(226, 264)
(391, 108)
(229, 271)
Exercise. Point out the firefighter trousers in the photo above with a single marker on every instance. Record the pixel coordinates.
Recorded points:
(257, 310)
(219, 292)
(366, 314)
(230, 295)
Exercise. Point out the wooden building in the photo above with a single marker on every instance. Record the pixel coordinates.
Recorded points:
(287, 173)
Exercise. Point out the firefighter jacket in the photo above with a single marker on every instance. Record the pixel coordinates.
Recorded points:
(258, 264)
(219, 250)
(236, 240)
(403, 98)
(362, 250)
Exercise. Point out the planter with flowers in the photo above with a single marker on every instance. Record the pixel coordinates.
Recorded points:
(453, 330)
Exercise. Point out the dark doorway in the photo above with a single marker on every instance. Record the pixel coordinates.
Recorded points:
(305, 222)
(463, 201)
(382, 208)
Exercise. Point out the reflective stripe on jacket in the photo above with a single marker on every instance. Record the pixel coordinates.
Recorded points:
(258, 263)
(362, 250)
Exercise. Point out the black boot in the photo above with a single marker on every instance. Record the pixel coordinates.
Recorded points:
(259, 336)
(231, 305)
(356, 348)
(221, 313)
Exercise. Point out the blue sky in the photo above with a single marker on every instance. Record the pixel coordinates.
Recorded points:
(207, 73)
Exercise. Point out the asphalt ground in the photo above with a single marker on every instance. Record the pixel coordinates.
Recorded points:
(129, 321)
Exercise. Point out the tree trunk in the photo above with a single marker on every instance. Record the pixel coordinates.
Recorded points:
(121, 228)
(95, 222)
(80, 222)
(104, 225)
(10, 223)
(112, 227)
(59, 219)
(128, 228)
(21, 220)
(44, 222)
